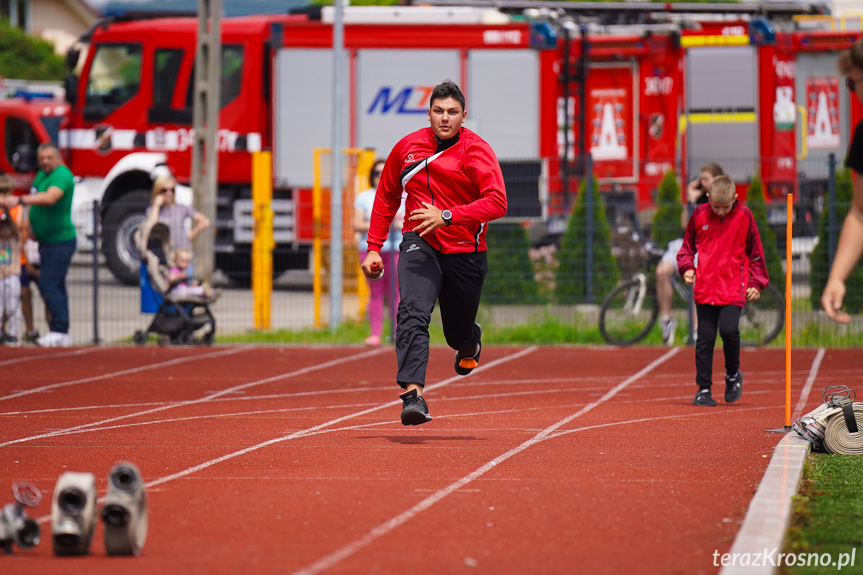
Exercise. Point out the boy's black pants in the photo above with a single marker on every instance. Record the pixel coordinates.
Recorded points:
(426, 276)
(726, 320)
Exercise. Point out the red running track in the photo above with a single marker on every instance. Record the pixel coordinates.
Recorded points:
(287, 460)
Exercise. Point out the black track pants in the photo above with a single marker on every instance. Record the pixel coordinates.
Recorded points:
(724, 319)
(427, 276)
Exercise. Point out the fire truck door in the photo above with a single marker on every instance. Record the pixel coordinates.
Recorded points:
(721, 110)
(821, 94)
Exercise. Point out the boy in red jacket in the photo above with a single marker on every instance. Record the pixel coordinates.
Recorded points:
(731, 271)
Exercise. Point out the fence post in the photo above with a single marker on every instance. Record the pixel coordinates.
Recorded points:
(831, 210)
(96, 340)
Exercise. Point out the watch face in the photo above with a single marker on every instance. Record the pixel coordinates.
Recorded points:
(447, 216)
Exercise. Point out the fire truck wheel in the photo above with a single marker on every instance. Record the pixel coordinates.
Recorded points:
(120, 221)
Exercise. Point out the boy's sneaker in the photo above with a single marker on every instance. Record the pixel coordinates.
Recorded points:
(733, 387)
(415, 410)
(466, 364)
(31, 336)
(11, 341)
(669, 326)
(704, 398)
(54, 339)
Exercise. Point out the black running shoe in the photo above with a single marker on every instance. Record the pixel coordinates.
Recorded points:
(704, 398)
(733, 387)
(415, 410)
(466, 364)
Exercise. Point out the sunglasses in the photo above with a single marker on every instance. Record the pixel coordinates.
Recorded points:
(166, 190)
(377, 173)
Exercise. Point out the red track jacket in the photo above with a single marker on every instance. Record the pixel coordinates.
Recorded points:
(464, 178)
(730, 256)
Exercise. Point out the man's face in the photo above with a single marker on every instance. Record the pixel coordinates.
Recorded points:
(49, 160)
(446, 117)
(721, 209)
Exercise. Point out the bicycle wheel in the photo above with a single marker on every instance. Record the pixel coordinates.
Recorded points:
(762, 320)
(628, 313)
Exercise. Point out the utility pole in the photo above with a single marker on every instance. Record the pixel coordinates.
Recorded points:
(336, 251)
(205, 118)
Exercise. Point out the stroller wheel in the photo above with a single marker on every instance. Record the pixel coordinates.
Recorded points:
(140, 338)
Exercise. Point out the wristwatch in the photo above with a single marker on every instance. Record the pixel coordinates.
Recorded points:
(447, 217)
(20, 200)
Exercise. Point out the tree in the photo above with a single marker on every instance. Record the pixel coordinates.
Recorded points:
(571, 278)
(818, 273)
(669, 209)
(510, 272)
(25, 57)
(757, 205)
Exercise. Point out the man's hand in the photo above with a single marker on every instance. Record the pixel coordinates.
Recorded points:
(373, 265)
(831, 301)
(689, 277)
(429, 219)
(752, 293)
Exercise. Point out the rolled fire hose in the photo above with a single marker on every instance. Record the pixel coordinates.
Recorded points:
(836, 426)
(125, 511)
(73, 513)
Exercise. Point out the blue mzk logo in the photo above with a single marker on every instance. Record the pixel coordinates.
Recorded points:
(409, 100)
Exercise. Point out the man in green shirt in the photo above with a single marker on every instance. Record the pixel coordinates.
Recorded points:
(50, 202)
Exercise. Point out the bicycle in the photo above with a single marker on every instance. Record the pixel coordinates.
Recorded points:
(631, 310)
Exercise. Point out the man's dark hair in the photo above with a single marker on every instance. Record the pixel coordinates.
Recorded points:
(447, 89)
(48, 146)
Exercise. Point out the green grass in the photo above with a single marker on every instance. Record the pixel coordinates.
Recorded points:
(828, 513)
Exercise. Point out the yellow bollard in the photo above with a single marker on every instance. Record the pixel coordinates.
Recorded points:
(263, 243)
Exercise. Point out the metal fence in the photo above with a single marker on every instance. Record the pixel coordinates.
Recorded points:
(535, 273)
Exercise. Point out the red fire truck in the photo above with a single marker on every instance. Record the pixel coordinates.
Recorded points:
(642, 92)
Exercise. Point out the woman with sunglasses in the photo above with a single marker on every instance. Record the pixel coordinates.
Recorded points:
(850, 246)
(389, 252)
(164, 208)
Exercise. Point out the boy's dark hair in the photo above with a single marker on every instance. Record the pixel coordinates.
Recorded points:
(851, 58)
(447, 89)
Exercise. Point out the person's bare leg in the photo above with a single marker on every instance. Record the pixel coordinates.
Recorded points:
(411, 386)
(664, 293)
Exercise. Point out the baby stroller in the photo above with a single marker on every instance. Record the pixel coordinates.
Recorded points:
(185, 320)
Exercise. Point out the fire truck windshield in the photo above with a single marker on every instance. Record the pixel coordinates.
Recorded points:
(114, 78)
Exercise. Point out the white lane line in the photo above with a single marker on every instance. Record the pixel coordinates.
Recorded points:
(206, 398)
(807, 387)
(123, 372)
(384, 528)
(43, 356)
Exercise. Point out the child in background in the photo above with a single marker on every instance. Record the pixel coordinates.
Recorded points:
(731, 271)
(10, 271)
(183, 285)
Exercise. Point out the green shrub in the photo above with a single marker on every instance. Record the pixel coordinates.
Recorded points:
(669, 210)
(571, 278)
(510, 272)
(818, 273)
(756, 204)
(24, 57)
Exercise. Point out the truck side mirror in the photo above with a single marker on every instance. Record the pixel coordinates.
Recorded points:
(70, 86)
(24, 159)
(72, 58)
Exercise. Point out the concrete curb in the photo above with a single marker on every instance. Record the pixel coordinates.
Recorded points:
(769, 513)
